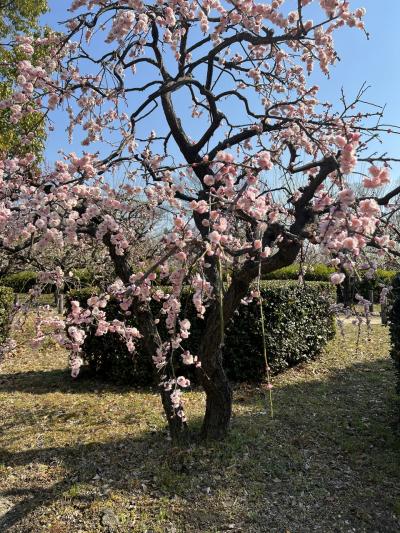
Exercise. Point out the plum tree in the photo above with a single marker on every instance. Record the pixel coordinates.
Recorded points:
(202, 110)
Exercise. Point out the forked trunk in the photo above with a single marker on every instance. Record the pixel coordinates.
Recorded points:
(213, 378)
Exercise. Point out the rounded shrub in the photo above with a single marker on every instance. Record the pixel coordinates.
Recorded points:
(82, 277)
(20, 282)
(6, 305)
(298, 324)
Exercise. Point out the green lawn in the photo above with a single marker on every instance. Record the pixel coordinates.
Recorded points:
(88, 457)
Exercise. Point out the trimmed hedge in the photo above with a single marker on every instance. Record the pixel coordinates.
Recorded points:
(394, 326)
(6, 304)
(84, 276)
(318, 272)
(22, 282)
(298, 325)
(321, 272)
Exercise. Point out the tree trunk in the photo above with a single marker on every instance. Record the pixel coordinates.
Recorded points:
(348, 290)
(176, 423)
(177, 426)
(218, 391)
(212, 375)
(218, 414)
(60, 303)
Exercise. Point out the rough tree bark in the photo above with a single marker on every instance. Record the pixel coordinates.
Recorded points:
(214, 381)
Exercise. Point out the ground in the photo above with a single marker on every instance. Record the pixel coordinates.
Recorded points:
(83, 456)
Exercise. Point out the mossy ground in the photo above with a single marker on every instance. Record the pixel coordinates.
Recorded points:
(83, 456)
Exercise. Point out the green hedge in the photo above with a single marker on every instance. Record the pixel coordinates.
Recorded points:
(84, 276)
(394, 326)
(321, 272)
(6, 304)
(22, 282)
(317, 272)
(298, 325)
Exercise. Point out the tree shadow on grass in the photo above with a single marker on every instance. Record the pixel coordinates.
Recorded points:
(93, 463)
(58, 380)
(327, 462)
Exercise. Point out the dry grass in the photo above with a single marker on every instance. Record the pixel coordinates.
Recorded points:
(89, 457)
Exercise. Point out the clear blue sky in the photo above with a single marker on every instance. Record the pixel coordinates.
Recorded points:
(375, 61)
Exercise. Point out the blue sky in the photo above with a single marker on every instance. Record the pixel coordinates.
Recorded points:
(374, 61)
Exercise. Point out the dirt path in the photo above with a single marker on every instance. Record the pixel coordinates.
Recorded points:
(87, 457)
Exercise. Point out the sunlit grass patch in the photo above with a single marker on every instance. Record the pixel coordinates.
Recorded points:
(86, 456)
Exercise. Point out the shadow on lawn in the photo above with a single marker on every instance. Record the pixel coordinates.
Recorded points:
(326, 462)
(83, 463)
(58, 380)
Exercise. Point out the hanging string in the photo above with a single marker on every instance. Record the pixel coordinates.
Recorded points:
(267, 368)
(220, 287)
(221, 303)
(302, 261)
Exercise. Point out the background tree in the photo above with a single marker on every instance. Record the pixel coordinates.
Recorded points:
(20, 16)
(257, 168)
(17, 18)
